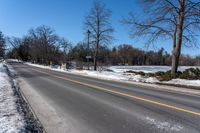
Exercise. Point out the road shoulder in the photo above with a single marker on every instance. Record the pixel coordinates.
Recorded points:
(46, 114)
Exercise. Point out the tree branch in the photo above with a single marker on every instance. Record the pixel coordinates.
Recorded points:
(176, 8)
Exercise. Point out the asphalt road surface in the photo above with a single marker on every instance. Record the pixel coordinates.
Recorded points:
(98, 106)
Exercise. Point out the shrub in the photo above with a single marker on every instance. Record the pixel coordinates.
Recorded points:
(130, 71)
(137, 73)
(108, 70)
(150, 74)
(140, 73)
(159, 73)
(165, 76)
(191, 73)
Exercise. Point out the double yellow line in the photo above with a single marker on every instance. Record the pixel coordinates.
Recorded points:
(124, 94)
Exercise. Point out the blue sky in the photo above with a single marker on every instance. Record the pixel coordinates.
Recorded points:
(66, 17)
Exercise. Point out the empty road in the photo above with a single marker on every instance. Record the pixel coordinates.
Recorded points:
(89, 105)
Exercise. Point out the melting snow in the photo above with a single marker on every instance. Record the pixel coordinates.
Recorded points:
(164, 125)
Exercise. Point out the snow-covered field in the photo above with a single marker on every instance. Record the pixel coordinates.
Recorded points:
(147, 69)
(118, 73)
(10, 119)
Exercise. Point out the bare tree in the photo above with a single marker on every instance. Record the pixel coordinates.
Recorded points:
(97, 22)
(14, 43)
(65, 46)
(44, 40)
(178, 20)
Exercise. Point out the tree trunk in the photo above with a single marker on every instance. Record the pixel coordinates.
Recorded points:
(98, 41)
(175, 61)
(174, 58)
(178, 42)
(96, 56)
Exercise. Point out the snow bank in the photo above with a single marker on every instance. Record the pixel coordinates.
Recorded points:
(185, 82)
(10, 119)
(37, 65)
(146, 69)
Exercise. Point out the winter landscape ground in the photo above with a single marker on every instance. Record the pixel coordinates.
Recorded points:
(118, 73)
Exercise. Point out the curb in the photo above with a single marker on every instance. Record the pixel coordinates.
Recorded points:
(31, 109)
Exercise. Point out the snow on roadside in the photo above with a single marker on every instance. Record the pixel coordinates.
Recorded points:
(108, 75)
(147, 69)
(37, 65)
(118, 73)
(10, 119)
(185, 82)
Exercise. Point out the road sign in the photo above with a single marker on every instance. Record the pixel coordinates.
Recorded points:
(88, 57)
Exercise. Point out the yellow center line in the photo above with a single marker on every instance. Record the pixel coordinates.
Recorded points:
(125, 94)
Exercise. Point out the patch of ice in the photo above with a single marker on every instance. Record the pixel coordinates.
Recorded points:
(164, 125)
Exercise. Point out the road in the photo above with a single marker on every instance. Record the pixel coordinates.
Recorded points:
(98, 106)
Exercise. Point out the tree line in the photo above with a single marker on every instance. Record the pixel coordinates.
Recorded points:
(126, 54)
(43, 46)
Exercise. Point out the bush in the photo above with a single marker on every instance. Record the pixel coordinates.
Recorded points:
(190, 74)
(137, 73)
(163, 76)
(159, 73)
(130, 71)
(150, 74)
(108, 70)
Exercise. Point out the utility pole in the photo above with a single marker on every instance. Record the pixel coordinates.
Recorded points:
(88, 57)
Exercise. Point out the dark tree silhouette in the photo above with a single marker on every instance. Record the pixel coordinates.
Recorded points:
(2, 44)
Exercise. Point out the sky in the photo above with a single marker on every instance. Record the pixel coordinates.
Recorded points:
(66, 17)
